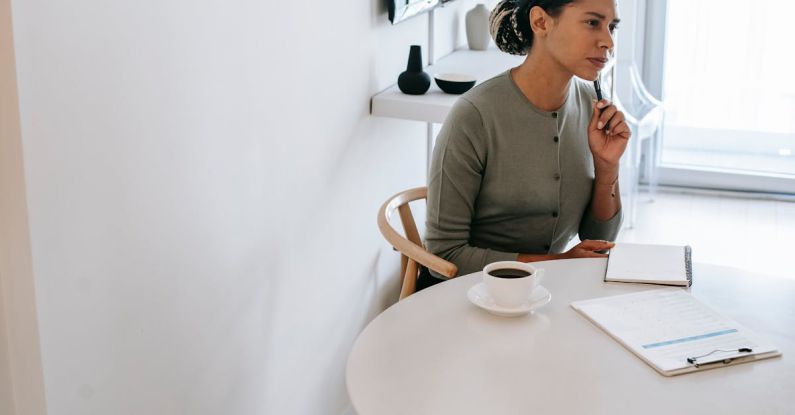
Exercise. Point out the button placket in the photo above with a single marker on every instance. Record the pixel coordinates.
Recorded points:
(556, 176)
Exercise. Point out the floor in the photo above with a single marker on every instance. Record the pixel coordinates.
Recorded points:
(742, 232)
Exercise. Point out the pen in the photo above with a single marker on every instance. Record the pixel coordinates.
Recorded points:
(598, 89)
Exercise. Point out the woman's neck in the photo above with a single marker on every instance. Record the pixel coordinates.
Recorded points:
(543, 81)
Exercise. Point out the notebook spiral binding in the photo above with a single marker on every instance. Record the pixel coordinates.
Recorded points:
(689, 264)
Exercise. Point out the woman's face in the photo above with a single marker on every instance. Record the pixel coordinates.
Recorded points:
(581, 37)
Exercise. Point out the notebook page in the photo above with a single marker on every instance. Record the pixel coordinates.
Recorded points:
(645, 262)
(666, 326)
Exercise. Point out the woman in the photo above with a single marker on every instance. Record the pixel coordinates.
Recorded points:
(528, 159)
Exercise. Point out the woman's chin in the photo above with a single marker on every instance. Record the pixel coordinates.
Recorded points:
(588, 75)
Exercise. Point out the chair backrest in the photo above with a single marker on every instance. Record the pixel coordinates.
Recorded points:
(412, 251)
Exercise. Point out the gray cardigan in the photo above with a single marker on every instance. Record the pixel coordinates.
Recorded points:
(508, 178)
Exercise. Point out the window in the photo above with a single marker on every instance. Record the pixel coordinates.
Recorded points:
(728, 87)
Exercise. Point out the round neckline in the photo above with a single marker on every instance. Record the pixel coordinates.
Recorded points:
(550, 114)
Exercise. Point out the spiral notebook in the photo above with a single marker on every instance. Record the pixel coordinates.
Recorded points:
(650, 264)
(673, 331)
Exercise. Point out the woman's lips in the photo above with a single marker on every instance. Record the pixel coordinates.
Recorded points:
(599, 63)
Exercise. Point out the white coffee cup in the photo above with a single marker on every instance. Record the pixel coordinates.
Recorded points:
(511, 291)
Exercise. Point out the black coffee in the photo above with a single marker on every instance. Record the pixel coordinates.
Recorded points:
(508, 273)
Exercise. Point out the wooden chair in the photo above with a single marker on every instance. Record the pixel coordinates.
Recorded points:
(412, 251)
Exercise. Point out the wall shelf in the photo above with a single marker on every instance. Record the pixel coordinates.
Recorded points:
(433, 106)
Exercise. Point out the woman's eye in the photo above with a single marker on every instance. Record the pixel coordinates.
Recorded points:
(593, 23)
(613, 28)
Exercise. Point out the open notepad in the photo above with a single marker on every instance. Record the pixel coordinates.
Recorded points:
(650, 264)
(673, 331)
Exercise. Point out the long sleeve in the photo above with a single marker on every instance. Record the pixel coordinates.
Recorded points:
(455, 180)
(592, 228)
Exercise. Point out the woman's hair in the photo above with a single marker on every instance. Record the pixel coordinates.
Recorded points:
(509, 23)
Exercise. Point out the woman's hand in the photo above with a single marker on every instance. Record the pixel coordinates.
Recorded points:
(587, 249)
(607, 144)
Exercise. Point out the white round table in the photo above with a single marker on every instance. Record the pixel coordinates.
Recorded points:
(437, 353)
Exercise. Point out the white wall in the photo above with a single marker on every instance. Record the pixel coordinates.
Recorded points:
(202, 182)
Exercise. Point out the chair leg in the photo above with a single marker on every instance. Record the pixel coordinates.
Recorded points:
(409, 279)
(653, 163)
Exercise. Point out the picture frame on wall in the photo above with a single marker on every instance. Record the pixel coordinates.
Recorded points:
(400, 10)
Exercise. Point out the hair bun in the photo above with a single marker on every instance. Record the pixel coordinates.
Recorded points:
(506, 26)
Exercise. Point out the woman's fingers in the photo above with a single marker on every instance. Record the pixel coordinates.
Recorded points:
(596, 245)
(625, 132)
(610, 118)
(605, 118)
(590, 248)
(620, 129)
(587, 253)
(592, 243)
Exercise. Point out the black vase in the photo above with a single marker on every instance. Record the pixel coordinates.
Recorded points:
(414, 81)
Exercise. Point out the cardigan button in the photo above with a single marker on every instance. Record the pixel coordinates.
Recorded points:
(546, 247)
(557, 176)
(556, 139)
(555, 214)
(554, 115)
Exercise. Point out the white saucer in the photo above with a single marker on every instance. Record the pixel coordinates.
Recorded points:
(481, 298)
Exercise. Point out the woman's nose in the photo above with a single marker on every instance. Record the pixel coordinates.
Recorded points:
(606, 40)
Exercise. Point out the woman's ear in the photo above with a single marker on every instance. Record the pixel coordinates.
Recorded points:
(540, 21)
